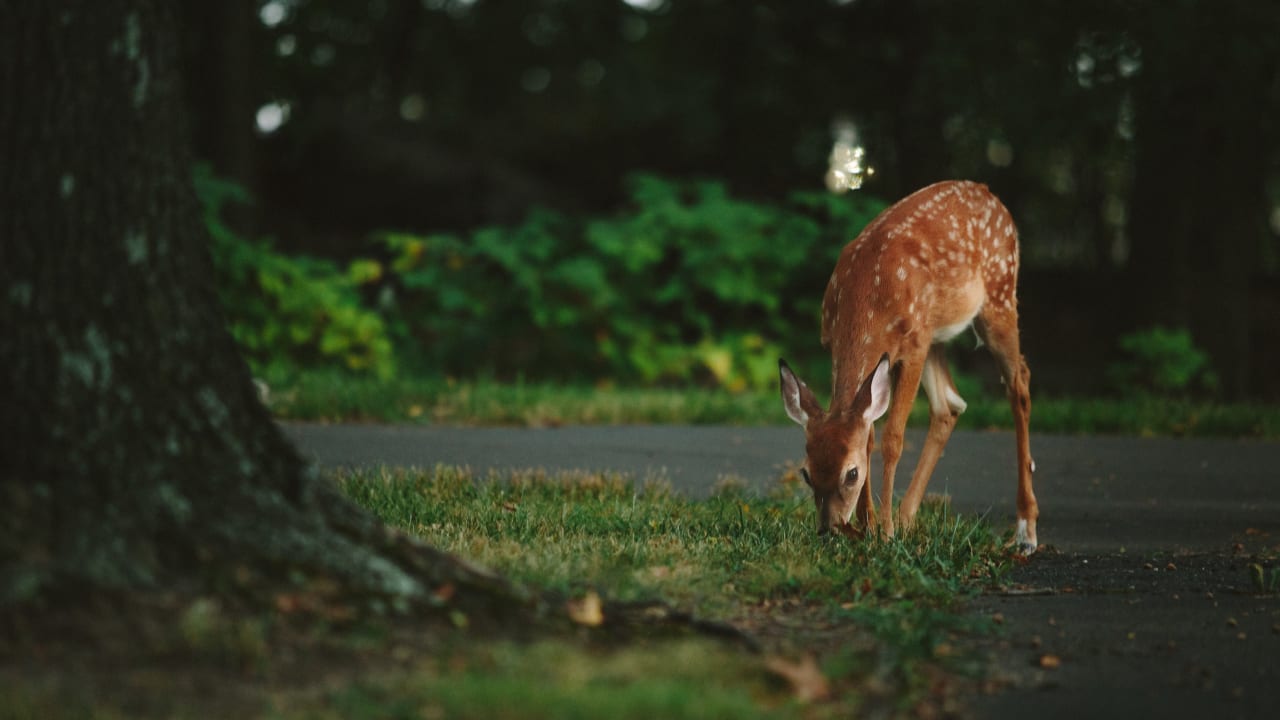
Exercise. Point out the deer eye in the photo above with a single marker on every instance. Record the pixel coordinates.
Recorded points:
(851, 476)
(804, 473)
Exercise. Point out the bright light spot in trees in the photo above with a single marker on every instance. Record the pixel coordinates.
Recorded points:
(273, 13)
(847, 167)
(286, 45)
(1128, 66)
(1085, 64)
(649, 5)
(271, 116)
(453, 7)
(1275, 220)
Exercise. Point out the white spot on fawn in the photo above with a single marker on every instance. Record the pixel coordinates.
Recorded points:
(902, 273)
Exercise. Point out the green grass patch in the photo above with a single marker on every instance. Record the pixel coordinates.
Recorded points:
(882, 617)
(337, 397)
(334, 397)
(560, 680)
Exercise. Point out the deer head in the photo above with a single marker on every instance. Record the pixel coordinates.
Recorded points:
(836, 464)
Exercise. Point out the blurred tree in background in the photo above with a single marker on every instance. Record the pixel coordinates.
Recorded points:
(1134, 142)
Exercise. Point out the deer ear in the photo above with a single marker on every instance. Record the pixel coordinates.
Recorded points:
(797, 398)
(873, 396)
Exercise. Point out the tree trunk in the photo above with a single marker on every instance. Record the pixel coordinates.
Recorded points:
(135, 451)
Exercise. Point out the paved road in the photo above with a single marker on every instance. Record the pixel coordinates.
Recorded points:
(1148, 603)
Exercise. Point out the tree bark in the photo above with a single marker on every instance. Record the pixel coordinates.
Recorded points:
(135, 451)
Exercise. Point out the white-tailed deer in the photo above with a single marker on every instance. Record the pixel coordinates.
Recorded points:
(938, 261)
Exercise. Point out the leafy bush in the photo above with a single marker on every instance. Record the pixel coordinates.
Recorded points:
(290, 312)
(686, 284)
(1162, 361)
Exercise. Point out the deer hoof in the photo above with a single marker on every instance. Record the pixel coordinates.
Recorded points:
(1024, 540)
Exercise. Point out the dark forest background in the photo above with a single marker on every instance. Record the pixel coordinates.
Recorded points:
(1134, 142)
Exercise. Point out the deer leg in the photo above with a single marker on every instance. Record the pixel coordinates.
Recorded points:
(1000, 327)
(904, 394)
(945, 405)
(866, 512)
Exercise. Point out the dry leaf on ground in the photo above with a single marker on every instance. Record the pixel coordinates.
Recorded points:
(806, 679)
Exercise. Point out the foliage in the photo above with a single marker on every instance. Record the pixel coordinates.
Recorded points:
(687, 284)
(1161, 361)
(289, 312)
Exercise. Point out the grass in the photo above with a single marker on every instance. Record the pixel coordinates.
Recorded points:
(331, 397)
(336, 397)
(559, 680)
(881, 617)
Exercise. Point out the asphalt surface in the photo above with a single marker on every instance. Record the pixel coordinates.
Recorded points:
(1140, 603)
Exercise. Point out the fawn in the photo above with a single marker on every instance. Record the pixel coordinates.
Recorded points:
(935, 263)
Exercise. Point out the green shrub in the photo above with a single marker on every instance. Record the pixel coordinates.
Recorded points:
(290, 312)
(1161, 361)
(686, 284)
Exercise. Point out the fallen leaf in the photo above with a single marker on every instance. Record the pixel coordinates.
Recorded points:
(1050, 662)
(338, 613)
(658, 572)
(286, 603)
(806, 679)
(587, 610)
(445, 592)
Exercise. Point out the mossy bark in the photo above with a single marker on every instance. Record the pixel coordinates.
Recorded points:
(135, 451)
